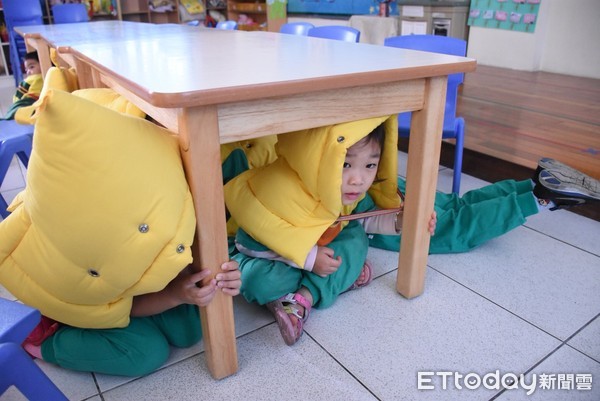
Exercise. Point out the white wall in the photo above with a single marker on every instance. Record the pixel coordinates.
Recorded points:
(565, 41)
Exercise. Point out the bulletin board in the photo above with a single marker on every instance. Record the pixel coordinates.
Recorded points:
(276, 9)
(514, 15)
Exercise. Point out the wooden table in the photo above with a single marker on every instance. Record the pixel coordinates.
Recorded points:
(216, 86)
(42, 38)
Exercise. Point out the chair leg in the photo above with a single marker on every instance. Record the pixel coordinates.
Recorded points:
(9, 147)
(4, 164)
(3, 206)
(24, 157)
(458, 154)
(18, 369)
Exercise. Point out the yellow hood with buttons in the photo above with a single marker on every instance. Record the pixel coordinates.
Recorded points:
(106, 214)
(288, 204)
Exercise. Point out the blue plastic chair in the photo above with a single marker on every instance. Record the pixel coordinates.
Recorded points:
(15, 139)
(16, 366)
(336, 32)
(296, 28)
(454, 126)
(20, 13)
(70, 13)
(227, 25)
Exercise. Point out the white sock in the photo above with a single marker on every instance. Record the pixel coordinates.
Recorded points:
(544, 204)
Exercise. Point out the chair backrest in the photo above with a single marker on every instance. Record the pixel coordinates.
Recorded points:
(437, 44)
(434, 44)
(16, 367)
(228, 25)
(336, 32)
(296, 28)
(20, 13)
(70, 13)
(16, 321)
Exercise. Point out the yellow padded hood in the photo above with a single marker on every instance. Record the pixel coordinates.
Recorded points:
(66, 80)
(259, 151)
(288, 204)
(56, 78)
(106, 214)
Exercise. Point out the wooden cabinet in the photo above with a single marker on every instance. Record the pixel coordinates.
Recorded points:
(263, 16)
(214, 11)
(154, 11)
(133, 10)
(129, 10)
(102, 9)
(4, 51)
(216, 5)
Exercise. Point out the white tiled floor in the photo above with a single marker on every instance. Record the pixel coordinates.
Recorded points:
(527, 302)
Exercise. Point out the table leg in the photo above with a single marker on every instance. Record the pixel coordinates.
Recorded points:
(199, 141)
(85, 75)
(421, 179)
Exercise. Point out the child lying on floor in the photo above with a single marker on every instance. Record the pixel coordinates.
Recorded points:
(288, 207)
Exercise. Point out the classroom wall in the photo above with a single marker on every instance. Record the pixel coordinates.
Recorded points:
(565, 41)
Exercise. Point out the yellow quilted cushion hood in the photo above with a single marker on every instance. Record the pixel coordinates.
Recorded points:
(106, 215)
(66, 80)
(258, 151)
(288, 204)
(56, 78)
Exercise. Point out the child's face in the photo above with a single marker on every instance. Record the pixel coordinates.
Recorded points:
(360, 170)
(32, 67)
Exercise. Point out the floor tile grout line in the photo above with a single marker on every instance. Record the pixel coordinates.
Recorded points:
(561, 345)
(583, 353)
(493, 302)
(97, 387)
(579, 331)
(535, 365)
(342, 366)
(162, 368)
(560, 240)
(562, 342)
(582, 327)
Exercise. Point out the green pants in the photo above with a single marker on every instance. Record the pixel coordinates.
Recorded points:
(464, 223)
(265, 280)
(135, 350)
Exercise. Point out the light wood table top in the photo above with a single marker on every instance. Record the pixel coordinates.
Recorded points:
(214, 86)
(62, 36)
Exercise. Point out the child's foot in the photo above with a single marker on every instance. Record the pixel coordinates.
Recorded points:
(33, 343)
(34, 351)
(563, 185)
(290, 311)
(365, 277)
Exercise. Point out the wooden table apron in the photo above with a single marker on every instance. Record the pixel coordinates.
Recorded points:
(293, 83)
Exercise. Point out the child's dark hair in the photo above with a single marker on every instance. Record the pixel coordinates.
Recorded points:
(377, 135)
(32, 56)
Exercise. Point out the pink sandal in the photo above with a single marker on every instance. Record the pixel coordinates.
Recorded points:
(44, 329)
(285, 307)
(367, 271)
